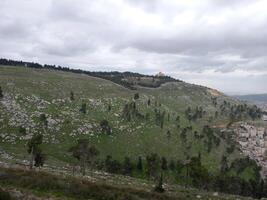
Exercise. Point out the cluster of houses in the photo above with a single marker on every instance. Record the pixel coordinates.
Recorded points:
(253, 143)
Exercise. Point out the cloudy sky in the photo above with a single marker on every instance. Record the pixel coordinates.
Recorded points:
(217, 43)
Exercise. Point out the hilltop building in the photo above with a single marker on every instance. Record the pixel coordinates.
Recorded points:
(160, 74)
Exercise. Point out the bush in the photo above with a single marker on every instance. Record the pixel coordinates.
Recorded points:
(4, 195)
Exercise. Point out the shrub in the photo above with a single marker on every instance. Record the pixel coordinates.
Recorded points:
(4, 195)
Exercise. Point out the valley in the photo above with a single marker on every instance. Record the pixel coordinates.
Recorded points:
(141, 131)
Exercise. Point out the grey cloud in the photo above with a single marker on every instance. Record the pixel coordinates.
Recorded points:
(191, 36)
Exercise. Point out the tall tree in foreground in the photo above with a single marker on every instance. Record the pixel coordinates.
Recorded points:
(84, 153)
(34, 150)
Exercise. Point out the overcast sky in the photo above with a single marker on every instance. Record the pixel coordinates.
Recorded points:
(217, 43)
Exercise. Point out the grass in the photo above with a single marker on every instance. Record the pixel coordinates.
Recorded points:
(28, 87)
(66, 187)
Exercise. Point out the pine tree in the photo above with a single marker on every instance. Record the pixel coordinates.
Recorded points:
(39, 159)
(109, 107)
(159, 187)
(127, 166)
(152, 164)
(84, 153)
(33, 147)
(1, 93)
(168, 134)
(43, 120)
(172, 165)
(164, 163)
(105, 127)
(224, 164)
(136, 96)
(140, 164)
(83, 108)
(71, 96)
(148, 102)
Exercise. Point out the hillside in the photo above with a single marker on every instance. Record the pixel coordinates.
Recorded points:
(171, 122)
(253, 98)
(30, 92)
(46, 185)
(127, 79)
(258, 99)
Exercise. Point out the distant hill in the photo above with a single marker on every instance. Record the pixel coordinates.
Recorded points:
(254, 98)
(258, 99)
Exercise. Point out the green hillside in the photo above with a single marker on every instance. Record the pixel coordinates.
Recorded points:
(176, 121)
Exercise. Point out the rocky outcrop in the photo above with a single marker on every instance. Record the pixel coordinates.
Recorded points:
(252, 142)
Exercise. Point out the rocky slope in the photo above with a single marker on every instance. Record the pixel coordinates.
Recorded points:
(172, 120)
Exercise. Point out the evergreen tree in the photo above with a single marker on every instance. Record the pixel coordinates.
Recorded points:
(22, 130)
(136, 96)
(39, 158)
(112, 166)
(148, 102)
(159, 187)
(152, 164)
(199, 156)
(127, 166)
(1, 93)
(109, 107)
(84, 153)
(224, 164)
(83, 108)
(71, 96)
(196, 134)
(43, 120)
(164, 163)
(184, 134)
(105, 127)
(33, 147)
(140, 164)
(216, 114)
(172, 165)
(168, 134)
(198, 173)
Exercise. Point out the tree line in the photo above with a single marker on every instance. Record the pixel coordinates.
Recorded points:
(189, 172)
(114, 76)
